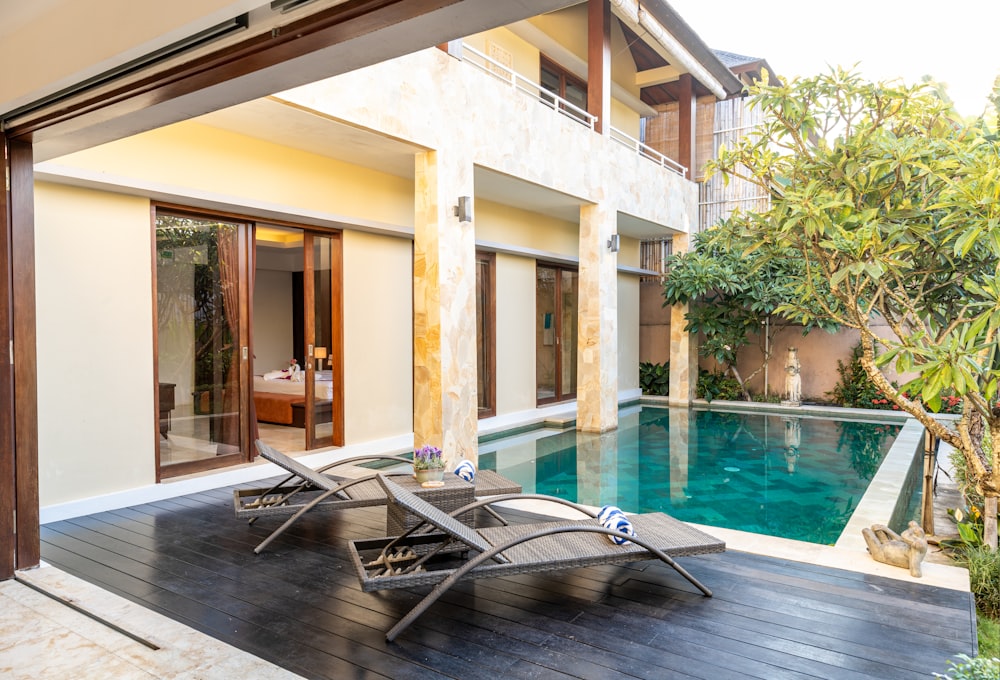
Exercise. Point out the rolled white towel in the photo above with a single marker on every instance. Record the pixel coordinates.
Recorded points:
(613, 518)
(466, 470)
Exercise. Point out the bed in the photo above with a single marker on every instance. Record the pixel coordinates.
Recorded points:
(282, 402)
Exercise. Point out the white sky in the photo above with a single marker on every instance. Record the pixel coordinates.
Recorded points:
(954, 41)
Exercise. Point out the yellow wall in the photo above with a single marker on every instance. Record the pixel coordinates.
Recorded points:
(568, 26)
(200, 158)
(628, 332)
(628, 254)
(524, 54)
(515, 333)
(96, 423)
(378, 336)
(522, 228)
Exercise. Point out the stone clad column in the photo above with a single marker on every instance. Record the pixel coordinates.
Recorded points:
(597, 345)
(445, 412)
(597, 468)
(683, 346)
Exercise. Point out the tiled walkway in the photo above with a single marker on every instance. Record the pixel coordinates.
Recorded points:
(43, 639)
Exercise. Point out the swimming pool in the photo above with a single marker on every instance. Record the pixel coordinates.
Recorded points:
(780, 475)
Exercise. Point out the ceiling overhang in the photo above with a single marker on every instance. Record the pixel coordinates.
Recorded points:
(338, 38)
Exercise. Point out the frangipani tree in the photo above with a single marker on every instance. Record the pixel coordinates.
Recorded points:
(891, 204)
(732, 297)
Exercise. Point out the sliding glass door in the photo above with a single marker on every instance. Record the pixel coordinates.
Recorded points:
(321, 262)
(201, 342)
(556, 290)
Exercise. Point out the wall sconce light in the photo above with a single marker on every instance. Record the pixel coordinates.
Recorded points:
(319, 354)
(463, 211)
(613, 243)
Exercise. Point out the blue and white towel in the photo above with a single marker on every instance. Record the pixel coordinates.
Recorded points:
(612, 517)
(466, 470)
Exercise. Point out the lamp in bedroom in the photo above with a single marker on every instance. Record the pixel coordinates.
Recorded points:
(319, 354)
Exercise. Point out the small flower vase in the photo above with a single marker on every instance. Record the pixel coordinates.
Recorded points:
(429, 475)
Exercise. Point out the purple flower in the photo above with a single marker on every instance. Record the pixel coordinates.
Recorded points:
(427, 457)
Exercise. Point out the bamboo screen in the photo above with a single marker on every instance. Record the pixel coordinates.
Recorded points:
(733, 120)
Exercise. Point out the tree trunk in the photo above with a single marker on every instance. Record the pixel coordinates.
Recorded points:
(743, 388)
(927, 493)
(990, 522)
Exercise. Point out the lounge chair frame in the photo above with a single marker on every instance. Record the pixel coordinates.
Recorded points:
(509, 550)
(336, 492)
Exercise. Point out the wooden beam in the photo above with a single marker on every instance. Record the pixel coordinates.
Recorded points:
(323, 29)
(687, 115)
(22, 277)
(657, 76)
(7, 480)
(599, 63)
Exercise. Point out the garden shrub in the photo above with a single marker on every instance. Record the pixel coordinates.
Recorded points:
(654, 378)
(855, 389)
(718, 386)
(980, 668)
(984, 578)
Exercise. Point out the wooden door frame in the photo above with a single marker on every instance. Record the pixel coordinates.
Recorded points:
(247, 450)
(309, 334)
(559, 395)
(19, 510)
(490, 313)
(336, 355)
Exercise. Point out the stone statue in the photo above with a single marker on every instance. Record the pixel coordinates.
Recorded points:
(793, 440)
(906, 551)
(793, 381)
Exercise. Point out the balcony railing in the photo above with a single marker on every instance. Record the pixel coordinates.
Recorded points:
(648, 152)
(518, 82)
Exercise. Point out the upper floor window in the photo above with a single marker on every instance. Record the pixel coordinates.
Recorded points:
(561, 82)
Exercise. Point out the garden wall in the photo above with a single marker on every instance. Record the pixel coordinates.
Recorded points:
(818, 351)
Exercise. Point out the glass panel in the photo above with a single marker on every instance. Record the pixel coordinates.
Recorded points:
(484, 335)
(576, 94)
(568, 331)
(549, 81)
(198, 308)
(322, 291)
(545, 333)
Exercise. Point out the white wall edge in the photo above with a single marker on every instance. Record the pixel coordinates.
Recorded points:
(187, 485)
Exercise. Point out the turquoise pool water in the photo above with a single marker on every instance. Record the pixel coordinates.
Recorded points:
(793, 477)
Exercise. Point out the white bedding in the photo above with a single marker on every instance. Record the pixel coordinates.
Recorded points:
(324, 385)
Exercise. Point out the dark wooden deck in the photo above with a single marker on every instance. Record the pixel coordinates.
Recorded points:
(299, 605)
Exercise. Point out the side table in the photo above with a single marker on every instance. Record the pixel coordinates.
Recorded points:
(455, 493)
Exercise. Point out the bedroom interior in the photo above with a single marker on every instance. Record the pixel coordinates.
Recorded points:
(204, 278)
(279, 391)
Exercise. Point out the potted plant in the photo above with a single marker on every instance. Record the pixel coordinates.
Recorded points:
(428, 464)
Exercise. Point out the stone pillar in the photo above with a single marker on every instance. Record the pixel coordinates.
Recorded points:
(445, 410)
(680, 445)
(683, 346)
(596, 468)
(597, 345)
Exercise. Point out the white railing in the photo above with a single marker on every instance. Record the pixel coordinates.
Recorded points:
(484, 63)
(522, 84)
(648, 152)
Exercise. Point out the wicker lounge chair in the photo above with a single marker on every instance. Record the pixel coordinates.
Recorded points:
(305, 489)
(417, 558)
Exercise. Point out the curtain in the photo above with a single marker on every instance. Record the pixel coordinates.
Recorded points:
(229, 281)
